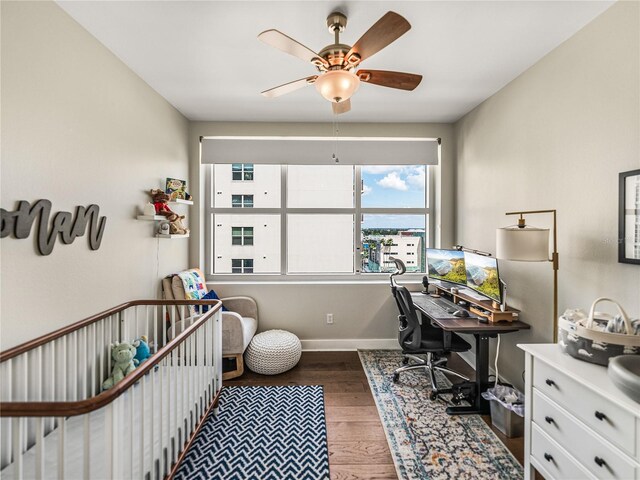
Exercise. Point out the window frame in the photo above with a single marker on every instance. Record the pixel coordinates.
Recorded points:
(283, 211)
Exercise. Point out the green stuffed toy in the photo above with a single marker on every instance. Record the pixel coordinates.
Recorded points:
(122, 362)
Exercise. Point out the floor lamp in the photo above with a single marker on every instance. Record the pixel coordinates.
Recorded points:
(530, 244)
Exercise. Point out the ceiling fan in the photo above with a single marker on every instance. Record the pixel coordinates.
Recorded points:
(337, 62)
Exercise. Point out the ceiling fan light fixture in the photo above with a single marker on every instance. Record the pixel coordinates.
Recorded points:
(337, 85)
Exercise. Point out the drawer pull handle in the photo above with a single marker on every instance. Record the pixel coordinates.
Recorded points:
(550, 382)
(600, 416)
(599, 461)
(549, 458)
(549, 420)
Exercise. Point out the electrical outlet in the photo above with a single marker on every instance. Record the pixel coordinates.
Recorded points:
(330, 318)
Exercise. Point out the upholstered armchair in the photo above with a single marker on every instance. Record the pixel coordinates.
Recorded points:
(239, 325)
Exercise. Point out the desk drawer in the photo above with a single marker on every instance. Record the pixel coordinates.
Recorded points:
(553, 458)
(601, 459)
(614, 424)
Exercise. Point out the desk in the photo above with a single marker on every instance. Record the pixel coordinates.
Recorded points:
(482, 332)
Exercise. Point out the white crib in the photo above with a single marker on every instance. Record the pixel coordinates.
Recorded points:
(55, 422)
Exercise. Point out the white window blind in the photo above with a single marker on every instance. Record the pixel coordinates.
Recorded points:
(320, 150)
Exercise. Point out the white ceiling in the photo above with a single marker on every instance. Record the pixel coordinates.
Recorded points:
(205, 59)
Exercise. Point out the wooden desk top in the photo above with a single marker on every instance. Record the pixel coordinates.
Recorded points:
(465, 325)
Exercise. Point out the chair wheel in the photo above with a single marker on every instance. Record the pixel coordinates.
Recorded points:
(396, 377)
(433, 396)
(405, 361)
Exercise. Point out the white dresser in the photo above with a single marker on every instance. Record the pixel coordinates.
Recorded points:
(577, 423)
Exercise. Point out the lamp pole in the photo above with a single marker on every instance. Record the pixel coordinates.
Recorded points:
(554, 260)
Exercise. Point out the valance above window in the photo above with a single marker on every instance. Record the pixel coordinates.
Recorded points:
(320, 150)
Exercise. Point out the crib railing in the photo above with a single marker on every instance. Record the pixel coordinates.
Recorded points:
(56, 422)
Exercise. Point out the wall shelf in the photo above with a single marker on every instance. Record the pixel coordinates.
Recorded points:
(152, 218)
(184, 202)
(160, 235)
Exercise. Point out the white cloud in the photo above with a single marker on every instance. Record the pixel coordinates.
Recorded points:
(393, 180)
(380, 169)
(417, 178)
(366, 189)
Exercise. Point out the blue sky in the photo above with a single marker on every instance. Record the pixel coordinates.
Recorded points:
(393, 186)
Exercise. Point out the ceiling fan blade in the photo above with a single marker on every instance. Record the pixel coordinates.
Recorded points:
(385, 31)
(289, 87)
(288, 45)
(341, 107)
(401, 80)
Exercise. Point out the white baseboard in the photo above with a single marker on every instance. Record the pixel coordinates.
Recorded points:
(350, 344)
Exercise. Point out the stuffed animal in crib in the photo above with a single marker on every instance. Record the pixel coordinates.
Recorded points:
(176, 227)
(122, 363)
(142, 350)
(160, 200)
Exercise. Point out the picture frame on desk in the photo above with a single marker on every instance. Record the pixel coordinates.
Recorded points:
(629, 217)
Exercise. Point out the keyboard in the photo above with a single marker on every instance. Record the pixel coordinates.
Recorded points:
(445, 305)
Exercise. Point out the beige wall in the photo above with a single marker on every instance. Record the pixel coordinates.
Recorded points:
(79, 127)
(360, 311)
(557, 137)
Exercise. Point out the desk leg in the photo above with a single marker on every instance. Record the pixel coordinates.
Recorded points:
(480, 406)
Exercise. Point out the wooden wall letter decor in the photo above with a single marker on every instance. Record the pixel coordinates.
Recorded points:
(20, 221)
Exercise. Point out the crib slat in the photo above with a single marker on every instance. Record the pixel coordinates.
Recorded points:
(18, 435)
(86, 448)
(152, 422)
(61, 440)
(160, 427)
(39, 439)
(109, 427)
(142, 396)
(176, 409)
(129, 469)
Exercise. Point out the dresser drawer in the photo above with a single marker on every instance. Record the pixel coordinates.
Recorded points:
(553, 458)
(613, 423)
(601, 459)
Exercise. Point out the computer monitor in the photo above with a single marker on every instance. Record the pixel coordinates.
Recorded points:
(482, 275)
(446, 265)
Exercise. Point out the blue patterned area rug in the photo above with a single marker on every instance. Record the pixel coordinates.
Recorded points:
(425, 442)
(262, 433)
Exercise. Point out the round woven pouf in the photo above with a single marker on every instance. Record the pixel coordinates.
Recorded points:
(273, 352)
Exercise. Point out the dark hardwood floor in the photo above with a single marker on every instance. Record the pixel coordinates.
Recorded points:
(357, 444)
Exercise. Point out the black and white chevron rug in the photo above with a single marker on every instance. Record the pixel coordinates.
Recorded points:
(262, 433)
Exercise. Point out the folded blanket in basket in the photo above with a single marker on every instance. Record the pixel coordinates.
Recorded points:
(616, 325)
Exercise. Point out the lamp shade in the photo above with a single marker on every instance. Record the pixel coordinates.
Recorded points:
(337, 85)
(528, 244)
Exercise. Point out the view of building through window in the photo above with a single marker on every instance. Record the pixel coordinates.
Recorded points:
(398, 236)
(321, 234)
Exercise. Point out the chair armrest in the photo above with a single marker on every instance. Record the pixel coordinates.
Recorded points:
(237, 332)
(245, 306)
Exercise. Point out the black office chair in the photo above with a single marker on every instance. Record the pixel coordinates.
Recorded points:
(416, 339)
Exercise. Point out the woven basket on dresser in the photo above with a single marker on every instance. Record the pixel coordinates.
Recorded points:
(273, 352)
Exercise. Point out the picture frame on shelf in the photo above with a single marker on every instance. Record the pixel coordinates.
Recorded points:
(629, 217)
(176, 189)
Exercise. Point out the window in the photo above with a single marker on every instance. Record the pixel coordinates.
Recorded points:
(242, 172)
(242, 201)
(317, 219)
(242, 265)
(241, 235)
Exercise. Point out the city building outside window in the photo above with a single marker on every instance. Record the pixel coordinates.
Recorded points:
(242, 201)
(318, 219)
(242, 265)
(242, 172)
(241, 235)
